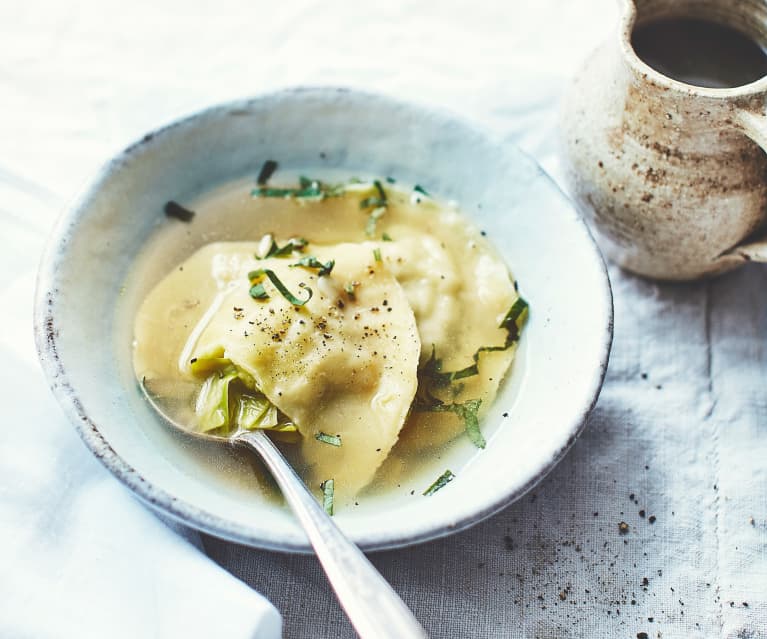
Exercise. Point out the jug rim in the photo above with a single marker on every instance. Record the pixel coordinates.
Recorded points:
(644, 71)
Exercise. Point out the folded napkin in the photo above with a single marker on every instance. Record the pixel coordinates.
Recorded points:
(80, 556)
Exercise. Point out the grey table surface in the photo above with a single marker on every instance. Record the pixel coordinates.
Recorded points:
(677, 445)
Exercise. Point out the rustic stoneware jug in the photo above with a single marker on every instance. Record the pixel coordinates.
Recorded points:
(670, 176)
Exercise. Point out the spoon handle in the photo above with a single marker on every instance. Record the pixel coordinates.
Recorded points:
(373, 608)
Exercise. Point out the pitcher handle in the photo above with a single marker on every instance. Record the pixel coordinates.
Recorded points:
(754, 125)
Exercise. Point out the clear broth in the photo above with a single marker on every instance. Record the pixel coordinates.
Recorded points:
(229, 213)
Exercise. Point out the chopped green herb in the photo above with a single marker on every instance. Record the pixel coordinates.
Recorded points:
(443, 480)
(255, 276)
(293, 244)
(467, 411)
(175, 210)
(258, 292)
(377, 254)
(378, 202)
(516, 317)
(333, 440)
(513, 322)
(390, 180)
(350, 288)
(263, 191)
(308, 189)
(270, 166)
(386, 237)
(327, 495)
(375, 215)
(312, 262)
(419, 194)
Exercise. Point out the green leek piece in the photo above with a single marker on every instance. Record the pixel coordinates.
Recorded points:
(212, 405)
(203, 364)
(255, 412)
(287, 433)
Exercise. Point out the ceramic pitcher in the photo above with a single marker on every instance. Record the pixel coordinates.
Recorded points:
(670, 176)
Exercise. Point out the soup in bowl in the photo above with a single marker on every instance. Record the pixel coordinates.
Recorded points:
(333, 267)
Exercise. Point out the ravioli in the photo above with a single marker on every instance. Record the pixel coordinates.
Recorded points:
(334, 366)
(355, 370)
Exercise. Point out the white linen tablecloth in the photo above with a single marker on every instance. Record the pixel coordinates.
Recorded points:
(676, 448)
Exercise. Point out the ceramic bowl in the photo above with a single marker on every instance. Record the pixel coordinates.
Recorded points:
(84, 311)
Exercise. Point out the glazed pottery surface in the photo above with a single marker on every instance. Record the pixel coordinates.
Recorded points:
(670, 176)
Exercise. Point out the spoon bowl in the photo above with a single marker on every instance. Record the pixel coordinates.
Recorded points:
(371, 604)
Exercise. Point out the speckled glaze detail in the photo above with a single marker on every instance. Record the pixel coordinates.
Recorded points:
(562, 273)
(670, 177)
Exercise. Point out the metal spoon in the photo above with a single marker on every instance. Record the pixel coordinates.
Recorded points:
(373, 608)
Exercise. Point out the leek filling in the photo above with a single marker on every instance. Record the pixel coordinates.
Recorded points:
(229, 401)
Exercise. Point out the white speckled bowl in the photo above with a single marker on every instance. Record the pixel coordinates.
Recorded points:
(84, 343)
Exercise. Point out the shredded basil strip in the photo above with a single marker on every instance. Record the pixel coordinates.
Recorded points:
(513, 322)
(467, 411)
(258, 292)
(175, 210)
(258, 274)
(443, 480)
(270, 166)
(308, 188)
(419, 189)
(327, 495)
(263, 191)
(312, 262)
(333, 440)
(293, 244)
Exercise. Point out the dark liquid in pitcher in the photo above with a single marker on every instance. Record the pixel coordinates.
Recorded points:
(699, 52)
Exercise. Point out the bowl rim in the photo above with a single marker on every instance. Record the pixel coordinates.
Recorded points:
(163, 502)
